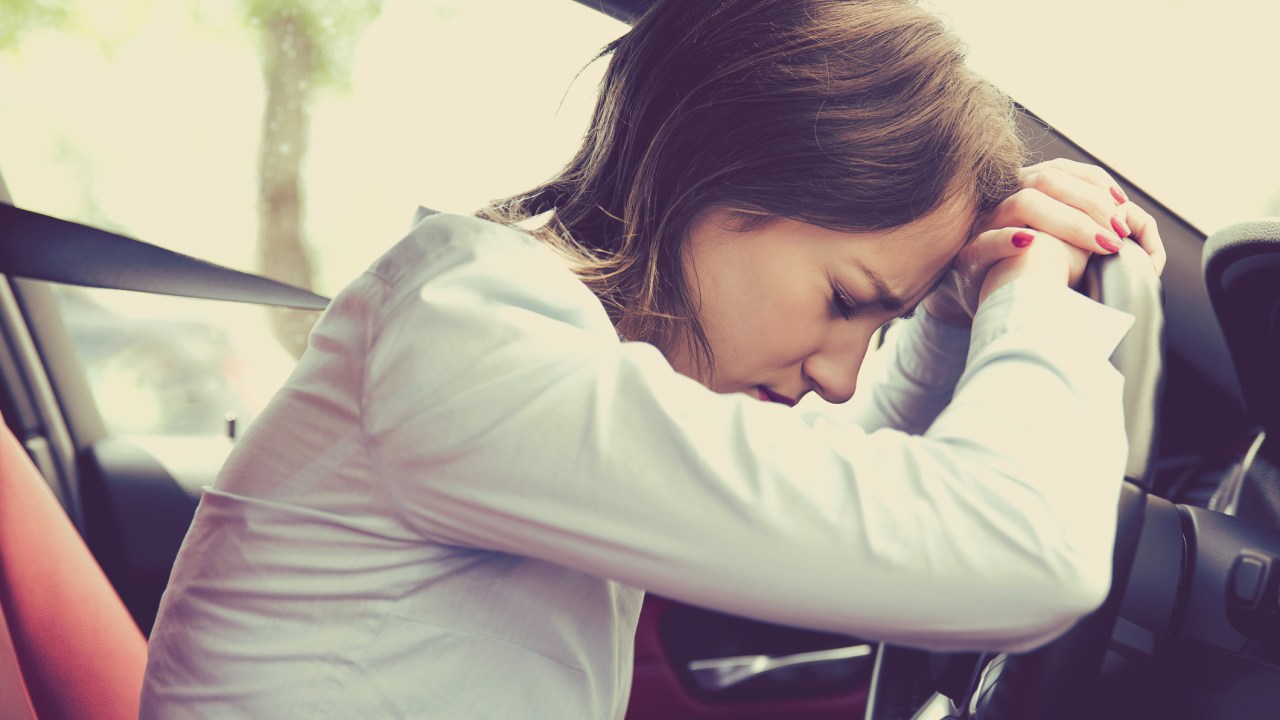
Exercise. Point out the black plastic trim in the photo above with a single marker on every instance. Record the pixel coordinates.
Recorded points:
(625, 10)
(1214, 541)
(139, 518)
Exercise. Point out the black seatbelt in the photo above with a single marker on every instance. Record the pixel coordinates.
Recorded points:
(41, 247)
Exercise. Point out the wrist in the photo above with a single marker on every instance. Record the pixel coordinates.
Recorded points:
(1039, 267)
(947, 313)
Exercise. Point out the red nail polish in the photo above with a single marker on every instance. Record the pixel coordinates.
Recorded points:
(1120, 227)
(1023, 238)
(1119, 195)
(1107, 243)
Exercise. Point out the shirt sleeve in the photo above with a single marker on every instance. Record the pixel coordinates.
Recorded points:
(498, 421)
(906, 382)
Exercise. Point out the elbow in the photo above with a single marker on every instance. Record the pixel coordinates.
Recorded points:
(1060, 567)
(1079, 591)
(1073, 586)
(1077, 568)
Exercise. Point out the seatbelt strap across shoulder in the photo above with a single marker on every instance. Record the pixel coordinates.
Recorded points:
(37, 246)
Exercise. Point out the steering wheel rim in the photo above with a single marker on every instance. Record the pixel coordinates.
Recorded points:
(1052, 681)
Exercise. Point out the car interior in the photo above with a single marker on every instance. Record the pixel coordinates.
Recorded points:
(90, 522)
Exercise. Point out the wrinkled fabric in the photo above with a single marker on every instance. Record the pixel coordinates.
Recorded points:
(451, 507)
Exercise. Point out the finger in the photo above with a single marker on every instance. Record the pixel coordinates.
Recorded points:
(1032, 208)
(991, 247)
(985, 252)
(1147, 235)
(1071, 189)
(1091, 174)
(1129, 216)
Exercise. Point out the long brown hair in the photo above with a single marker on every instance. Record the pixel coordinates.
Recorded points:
(848, 114)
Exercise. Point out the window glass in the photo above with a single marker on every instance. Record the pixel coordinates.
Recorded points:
(1178, 96)
(295, 138)
(173, 366)
(291, 138)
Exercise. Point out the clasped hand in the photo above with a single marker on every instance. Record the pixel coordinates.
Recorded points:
(1065, 212)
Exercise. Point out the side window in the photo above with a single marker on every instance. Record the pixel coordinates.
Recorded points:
(1219, 162)
(291, 139)
(173, 366)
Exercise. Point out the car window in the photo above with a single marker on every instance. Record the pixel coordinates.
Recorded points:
(294, 139)
(1179, 97)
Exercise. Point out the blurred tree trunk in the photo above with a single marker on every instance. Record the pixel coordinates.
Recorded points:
(289, 65)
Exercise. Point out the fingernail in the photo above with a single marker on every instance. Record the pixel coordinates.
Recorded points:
(1118, 224)
(1119, 195)
(1110, 244)
(1023, 238)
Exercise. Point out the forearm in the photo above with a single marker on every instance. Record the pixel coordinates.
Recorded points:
(992, 530)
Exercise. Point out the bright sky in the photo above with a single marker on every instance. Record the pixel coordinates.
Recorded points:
(1179, 95)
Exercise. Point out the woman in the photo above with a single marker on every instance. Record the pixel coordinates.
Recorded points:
(508, 428)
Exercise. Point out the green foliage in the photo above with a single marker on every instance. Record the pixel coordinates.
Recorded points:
(330, 27)
(18, 17)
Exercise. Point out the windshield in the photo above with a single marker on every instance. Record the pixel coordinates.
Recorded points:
(1179, 97)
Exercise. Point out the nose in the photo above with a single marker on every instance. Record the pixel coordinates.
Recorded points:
(833, 367)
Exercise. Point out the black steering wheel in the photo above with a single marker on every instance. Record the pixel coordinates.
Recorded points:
(1054, 681)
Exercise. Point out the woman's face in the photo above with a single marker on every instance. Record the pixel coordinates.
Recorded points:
(791, 307)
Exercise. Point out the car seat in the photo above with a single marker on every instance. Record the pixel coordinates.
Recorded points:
(69, 650)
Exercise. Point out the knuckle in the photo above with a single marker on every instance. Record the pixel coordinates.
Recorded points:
(1089, 225)
(1031, 171)
(1143, 214)
(1141, 221)
(1024, 199)
(1090, 173)
(1099, 176)
(1047, 180)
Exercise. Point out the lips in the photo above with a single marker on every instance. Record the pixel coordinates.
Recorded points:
(768, 395)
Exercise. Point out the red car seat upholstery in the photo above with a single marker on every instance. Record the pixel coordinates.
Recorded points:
(78, 652)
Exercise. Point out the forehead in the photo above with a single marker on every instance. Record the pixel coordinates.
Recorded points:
(910, 259)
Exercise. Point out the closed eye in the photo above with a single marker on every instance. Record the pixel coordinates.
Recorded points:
(844, 305)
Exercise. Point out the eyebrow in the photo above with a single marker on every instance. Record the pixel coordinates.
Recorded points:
(890, 300)
(884, 296)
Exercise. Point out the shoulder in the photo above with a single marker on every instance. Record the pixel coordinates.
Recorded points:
(461, 259)
(439, 241)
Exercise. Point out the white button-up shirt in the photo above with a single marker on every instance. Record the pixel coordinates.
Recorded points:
(451, 507)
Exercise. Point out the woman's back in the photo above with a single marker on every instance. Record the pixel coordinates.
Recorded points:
(301, 590)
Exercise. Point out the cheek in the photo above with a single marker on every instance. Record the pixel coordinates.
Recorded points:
(765, 337)
(761, 317)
